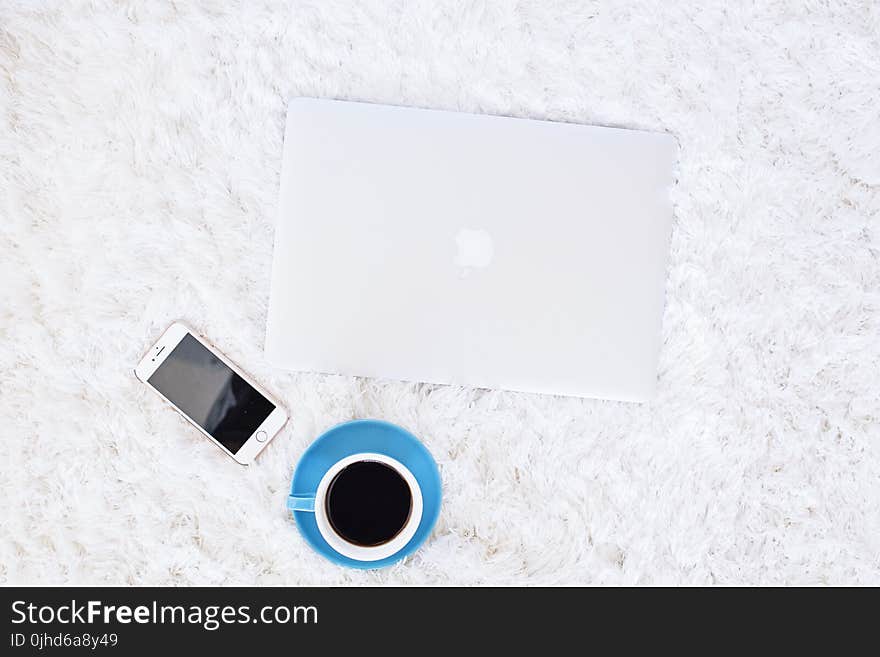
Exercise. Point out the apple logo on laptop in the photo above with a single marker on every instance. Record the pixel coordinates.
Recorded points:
(475, 249)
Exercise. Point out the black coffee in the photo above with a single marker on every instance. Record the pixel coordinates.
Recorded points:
(368, 503)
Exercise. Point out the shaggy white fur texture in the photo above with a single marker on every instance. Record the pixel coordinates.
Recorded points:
(140, 147)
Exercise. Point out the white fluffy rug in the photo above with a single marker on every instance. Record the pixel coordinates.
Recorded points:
(140, 146)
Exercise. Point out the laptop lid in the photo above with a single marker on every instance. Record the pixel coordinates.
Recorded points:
(479, 250)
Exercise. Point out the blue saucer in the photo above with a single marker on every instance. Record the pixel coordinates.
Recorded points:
(366, 436)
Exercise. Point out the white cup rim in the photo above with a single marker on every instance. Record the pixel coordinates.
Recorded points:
(360, 552)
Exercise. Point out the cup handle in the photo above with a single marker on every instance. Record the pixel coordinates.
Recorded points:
(301, 503)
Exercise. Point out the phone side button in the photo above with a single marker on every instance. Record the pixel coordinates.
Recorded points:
(261, 436)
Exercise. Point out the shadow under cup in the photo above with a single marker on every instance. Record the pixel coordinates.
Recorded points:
(368, 503)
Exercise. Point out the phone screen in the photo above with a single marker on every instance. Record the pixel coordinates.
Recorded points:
(211, 394)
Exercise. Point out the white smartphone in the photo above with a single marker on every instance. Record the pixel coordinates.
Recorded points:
(212, 393)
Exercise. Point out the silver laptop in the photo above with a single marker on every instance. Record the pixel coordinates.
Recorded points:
(480, 250)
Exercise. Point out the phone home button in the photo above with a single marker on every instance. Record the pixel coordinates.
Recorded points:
(261, 436)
